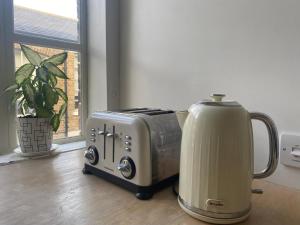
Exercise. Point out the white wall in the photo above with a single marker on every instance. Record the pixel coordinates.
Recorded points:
(175, 52)
(103, 54)
(96, 38)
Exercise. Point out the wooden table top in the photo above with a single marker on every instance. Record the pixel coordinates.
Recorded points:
(54, 191)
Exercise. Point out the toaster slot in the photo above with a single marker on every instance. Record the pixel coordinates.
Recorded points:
(144, 111)
(158, 112)
(104, 142)
(133, 109)
(114, 138)
(110, 147)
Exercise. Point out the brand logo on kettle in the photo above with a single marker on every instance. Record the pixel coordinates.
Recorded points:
(214, 202)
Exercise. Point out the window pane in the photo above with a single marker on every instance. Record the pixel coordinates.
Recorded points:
(70, 124)
(47, 18)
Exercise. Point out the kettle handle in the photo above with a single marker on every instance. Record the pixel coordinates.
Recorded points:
(273, 144)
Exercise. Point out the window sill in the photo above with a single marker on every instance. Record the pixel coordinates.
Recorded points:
(15, 158)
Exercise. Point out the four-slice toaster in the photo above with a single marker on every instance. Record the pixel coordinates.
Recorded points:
(138, 149)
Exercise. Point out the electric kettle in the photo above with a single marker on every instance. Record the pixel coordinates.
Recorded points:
(216, 162)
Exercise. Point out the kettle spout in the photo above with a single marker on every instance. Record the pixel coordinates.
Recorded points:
(181, 116)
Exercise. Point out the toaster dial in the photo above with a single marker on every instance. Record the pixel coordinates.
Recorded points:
(91, 154)
(127, 167)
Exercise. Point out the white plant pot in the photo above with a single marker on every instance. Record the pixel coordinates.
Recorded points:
(35, 134)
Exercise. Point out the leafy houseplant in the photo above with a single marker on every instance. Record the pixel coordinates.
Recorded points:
(36, 90)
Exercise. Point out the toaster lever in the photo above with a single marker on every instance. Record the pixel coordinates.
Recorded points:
(101, 132)
(109, 135)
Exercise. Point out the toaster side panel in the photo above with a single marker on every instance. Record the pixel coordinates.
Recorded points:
(165, 145)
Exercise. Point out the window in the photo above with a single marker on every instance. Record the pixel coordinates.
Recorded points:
(50, 27)
(47, 18)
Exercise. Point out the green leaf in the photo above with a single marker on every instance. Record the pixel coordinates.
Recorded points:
(62, 110)
(29, 93)
(56, 98)
(51, 97)
(24, 72)
(11, 88)
(62, 94)
(53, 80)
(42, 73)
(57, 59)
(16, 96)
(42, 112)
(55, 70)
(32, 56)
(39, 100)
(55, 121)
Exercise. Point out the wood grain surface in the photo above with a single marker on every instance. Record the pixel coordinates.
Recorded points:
(54, 191)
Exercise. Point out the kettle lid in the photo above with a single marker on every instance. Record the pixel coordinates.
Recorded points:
(216, 100)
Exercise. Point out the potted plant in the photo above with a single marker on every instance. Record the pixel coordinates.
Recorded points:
(36, 92)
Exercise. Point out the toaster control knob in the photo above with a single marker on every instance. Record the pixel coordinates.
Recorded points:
(127, 167)
(91, 154)
(127, 137)
(127, 143)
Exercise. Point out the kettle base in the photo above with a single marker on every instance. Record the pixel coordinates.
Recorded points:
(209, 219)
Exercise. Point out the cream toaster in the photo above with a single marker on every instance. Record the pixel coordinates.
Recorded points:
(138, 149)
